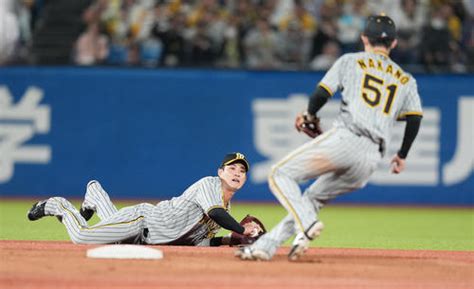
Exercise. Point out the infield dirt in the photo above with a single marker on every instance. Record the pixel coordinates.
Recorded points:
(41, 264)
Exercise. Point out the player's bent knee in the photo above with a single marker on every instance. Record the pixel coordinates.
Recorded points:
(93, 184)
(279, 171)
(276, 170)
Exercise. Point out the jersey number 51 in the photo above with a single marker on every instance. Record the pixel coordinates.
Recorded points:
(372, 88)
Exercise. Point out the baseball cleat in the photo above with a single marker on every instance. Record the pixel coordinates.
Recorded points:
(243, 253)
(302, 240)
(85, 210)
(86, 213)
(260, 255)
(37, 211)
(247, 253)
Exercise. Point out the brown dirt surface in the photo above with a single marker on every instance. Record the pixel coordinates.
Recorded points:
(40, 264)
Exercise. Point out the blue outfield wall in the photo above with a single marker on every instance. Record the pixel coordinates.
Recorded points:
(151, 133)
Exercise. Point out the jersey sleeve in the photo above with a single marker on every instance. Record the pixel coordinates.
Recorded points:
(332, 80)
(209, 196)
(412, 103)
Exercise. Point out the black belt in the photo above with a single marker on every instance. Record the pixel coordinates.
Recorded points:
(380, 143)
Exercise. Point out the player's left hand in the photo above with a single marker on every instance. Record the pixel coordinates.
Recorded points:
(309, 124)
(398, 164)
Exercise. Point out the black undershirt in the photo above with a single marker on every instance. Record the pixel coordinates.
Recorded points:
(411, 130)
(317, 100)
(216, 242)
(223, 219)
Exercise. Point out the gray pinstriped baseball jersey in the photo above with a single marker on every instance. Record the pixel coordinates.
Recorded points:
(375, 93)
(182, 220)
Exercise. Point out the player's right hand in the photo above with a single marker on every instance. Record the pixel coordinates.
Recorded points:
(398, 164)
(251, 229)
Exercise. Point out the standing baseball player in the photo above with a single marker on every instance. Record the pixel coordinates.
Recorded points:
(376, 92)
(190, 219)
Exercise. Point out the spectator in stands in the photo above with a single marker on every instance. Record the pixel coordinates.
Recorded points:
(459, 24)
(246, 15)
(314, 7)
(216, 26)
(452, 20)
(9, 32)
(231, 56)
(150, 44)
(171, 35)
(94, 13)
(202, 49)
(23, 10)
(133, 54)
(325, 60)
(302, 17)
(436, 43)
(91, 47)
(199, 9)
(150, 51)
(114, 19)
(138, 17)
(327, 29)
(261, 47)
(351, 25)
(410, 18)
(384, 6)
(275, 11)
(294, 46)
(470, 47)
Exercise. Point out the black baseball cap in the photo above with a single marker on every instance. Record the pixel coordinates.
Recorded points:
(236, 157)
(380, 27)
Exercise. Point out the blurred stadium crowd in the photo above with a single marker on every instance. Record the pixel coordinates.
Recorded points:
(434, 35)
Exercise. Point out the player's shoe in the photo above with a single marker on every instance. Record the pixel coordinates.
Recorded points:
(248, 253)
(302, 240)
(37, 211)
(86, 213)
(85, 210)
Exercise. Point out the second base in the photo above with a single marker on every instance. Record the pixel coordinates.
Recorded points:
(124, 252)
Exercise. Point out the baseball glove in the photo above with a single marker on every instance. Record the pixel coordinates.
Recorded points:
(308, 124)
(238, 239)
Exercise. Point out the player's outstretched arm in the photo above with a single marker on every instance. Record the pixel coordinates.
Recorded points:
(223, 219)
(226, 221)
(411, 130)
(247, 237)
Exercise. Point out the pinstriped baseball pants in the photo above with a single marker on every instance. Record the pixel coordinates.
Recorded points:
(340, 160)
(115, 225)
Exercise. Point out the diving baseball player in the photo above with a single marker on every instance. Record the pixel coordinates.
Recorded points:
(376, 92)
(190, 219)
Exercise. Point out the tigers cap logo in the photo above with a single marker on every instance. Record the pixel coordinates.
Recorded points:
(235, 158)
